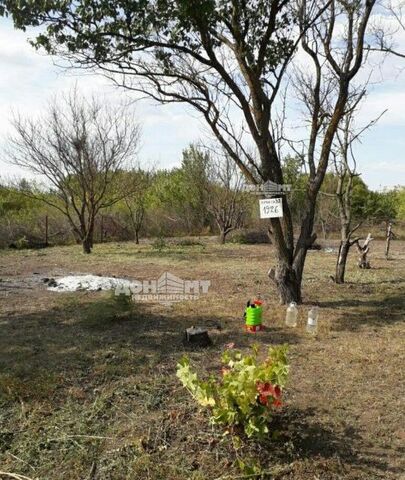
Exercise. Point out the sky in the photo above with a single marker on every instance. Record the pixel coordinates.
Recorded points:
(28, 79)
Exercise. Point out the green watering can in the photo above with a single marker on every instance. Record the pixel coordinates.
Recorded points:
(253, 315)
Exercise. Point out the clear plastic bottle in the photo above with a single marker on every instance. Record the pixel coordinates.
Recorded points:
(291, 315)
(312, 324)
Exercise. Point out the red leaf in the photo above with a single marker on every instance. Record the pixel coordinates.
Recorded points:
(263, 399)
(267, 389)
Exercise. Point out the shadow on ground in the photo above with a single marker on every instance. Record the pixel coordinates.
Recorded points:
(333, 448)
(93, 336)
(370, 312)
(91, 356)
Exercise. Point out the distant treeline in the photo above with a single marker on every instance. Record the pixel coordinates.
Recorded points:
(178, 202)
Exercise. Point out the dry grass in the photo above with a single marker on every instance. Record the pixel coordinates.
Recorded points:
(87, 386)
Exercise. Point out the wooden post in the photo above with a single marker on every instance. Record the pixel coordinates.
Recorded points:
(101, 229)
(389, 237)
(46, 230)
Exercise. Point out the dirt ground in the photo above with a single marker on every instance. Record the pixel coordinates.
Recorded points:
(88, 387)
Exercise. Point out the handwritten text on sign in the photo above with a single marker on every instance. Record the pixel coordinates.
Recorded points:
(271, 208)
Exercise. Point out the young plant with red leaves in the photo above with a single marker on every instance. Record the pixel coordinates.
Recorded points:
(248, 391)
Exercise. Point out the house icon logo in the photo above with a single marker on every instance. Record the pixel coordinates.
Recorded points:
(168, 283)
(167, 289)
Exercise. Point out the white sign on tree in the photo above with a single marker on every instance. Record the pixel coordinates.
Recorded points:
(271, 208)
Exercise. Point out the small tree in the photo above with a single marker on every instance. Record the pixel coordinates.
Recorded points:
(346, 173)
(194, 185)
(81, 147)
(226, 201)
(136, 204)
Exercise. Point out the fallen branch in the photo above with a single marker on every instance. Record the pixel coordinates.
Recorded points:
(16, 476)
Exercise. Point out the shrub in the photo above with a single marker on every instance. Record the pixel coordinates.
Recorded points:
(247, 394)
(22, 243)
(249, 237)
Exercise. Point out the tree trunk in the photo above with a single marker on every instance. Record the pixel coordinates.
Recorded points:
(345, 244)
(289, 270)
(136, 237)
(341, 261)
(222, 237)
(86, 245)
(288, 282)
(88, 238)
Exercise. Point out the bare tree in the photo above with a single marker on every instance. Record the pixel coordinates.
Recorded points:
(226, 200)
(315, 96)
(82, 148)
(346, 172)
(336, 55)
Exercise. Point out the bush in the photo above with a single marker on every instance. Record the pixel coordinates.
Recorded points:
(248, 392)
(21, 243)
(249, 237)
(159, 244)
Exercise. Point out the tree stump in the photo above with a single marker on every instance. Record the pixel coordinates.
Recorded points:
(196, 337)
(363, 251)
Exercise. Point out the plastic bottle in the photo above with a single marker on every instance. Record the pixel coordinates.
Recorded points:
(312, 324)
(291, 315)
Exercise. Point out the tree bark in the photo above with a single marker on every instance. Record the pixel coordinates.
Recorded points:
(136, 237)
(88, 238)
(288, 283)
